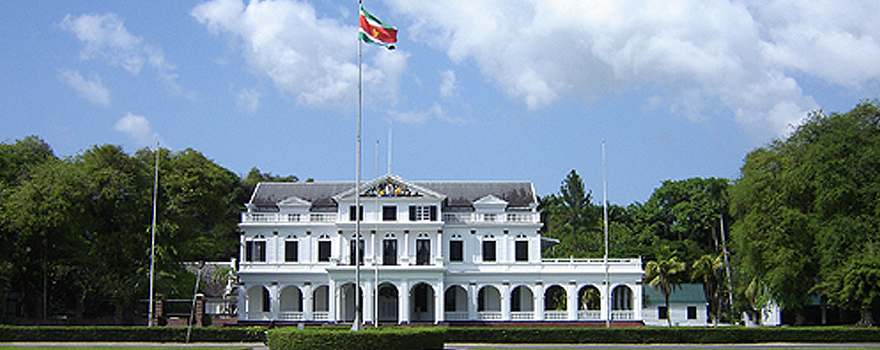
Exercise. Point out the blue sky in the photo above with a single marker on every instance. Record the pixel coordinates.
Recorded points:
(476, 91)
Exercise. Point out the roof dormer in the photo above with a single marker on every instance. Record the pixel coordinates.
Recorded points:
(490, 203)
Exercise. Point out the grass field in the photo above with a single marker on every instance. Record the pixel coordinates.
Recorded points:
(146, 347)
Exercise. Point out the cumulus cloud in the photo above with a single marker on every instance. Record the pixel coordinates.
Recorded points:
(305, 55)
(92, 90)
(105, 37)
(138, 128)
(743, 57)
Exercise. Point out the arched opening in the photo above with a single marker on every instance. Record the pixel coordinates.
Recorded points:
(348, 305)
(321, 303)
(422, 299)
(455, 304)
(555, 299)
(388, 303)
(291, 304)
(489, 303)
(522, 304)
(622, 303)
(258, 303)
(589, 303)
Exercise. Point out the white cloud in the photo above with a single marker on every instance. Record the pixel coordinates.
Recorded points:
(248, 100)
(306, 56)
(105, 37)
(741, 57)
(92, 90)
(138, 128)
(447, 86)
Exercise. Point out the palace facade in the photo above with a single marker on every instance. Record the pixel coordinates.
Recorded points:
(430, 252)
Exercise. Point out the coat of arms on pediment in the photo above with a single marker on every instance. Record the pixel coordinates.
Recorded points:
(390, 188)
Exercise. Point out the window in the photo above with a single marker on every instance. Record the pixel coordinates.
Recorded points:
(423, 252)
(352, 254)
(324, 251)
(488, 250)
(522, 250)
(662, 313)
(291, 251)
(692, 312)
(389, 252)
(351, 214)
(255, 251)
(456, 251)
(423, 213)
(389, 213)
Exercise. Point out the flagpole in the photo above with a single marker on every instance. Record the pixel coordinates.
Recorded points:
(153, 239)
(356, 325)
(605, 214)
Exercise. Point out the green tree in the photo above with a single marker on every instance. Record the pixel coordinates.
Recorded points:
(571, 218)
(707, 270)
(665, 273)
(808, 204)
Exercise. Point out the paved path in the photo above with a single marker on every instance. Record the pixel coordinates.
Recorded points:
(768, 346)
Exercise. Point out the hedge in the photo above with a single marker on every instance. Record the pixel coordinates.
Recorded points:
(385, 338)
(662, 335)
(130, 334)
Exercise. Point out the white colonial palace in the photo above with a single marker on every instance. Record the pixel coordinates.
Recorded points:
(430, 252)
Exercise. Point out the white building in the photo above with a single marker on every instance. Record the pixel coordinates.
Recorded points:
(443, 252)
(687, 307)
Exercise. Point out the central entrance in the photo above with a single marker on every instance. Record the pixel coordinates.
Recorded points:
(388, 310)
(422, 303)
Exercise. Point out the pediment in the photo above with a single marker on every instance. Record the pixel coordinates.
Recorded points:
(294, 202)
(391, 186)
(490, 202)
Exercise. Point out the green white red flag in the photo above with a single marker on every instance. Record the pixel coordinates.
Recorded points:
(373, 31)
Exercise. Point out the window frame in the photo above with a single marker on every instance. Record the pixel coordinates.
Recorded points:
(389, 213)
(494, 250)
(287, 252)
(329, 250)
(459, 257)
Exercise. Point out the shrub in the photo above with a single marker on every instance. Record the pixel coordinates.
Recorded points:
(386, 338)
(129, 334)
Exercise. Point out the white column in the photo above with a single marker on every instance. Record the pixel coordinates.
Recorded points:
(440, 302)
(572, 301)
(331, 300)
(275, 300)
(403, 303)
(242, 302)
(539, 301)
(368, 301)
(307, 302)
(439, 256)
(473, 294)
(505, 301)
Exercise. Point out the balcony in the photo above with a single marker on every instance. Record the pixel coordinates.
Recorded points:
(467, 218)
(288, 218)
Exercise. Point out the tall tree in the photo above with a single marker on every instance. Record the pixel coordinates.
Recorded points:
(807, 205)
(707, 271)
(573, 219)
(665, 273)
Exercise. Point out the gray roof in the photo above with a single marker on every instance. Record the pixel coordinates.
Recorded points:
(458, 194)
(686, 293)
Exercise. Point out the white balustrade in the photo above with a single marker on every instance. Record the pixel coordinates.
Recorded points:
(622, 315)
(489, 315)
(291, 316)
(589, 315)
(522, 315)
(555, 315)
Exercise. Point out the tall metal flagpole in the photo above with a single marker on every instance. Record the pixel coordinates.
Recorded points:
(605, 212)
(376, 253)
(153, 239)
(356, 325)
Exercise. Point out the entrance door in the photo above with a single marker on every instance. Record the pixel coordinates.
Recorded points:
(388, 303)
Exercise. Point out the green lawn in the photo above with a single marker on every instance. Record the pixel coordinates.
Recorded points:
(146, 347)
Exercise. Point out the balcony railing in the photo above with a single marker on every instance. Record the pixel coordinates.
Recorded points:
(489, 315)
(622, 315)
(287, 217)
(456, 315)
(291, 316)
(522, 315)
(478, 217)
(589, 315)
(555, 315)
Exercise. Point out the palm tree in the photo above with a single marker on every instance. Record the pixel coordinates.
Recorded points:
(664, 273)
(706, 270)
